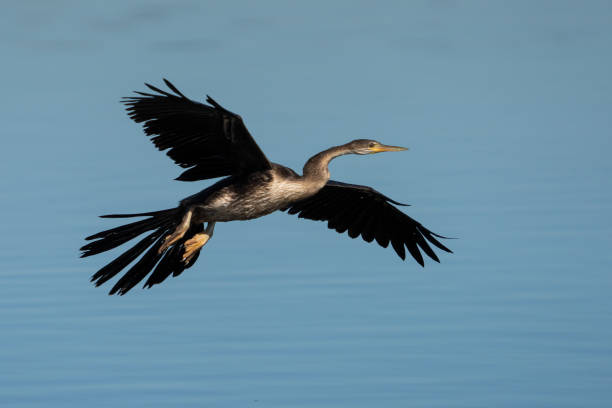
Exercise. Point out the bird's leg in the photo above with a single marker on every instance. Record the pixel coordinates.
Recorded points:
(193, 245)
(178, 233)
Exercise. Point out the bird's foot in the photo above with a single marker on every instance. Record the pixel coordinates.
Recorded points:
(193, 245)
(178, 233)
(170, 240)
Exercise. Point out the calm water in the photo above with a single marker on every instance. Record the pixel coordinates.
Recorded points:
(506, 107)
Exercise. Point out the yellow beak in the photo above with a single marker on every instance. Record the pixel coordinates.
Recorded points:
(385, 148)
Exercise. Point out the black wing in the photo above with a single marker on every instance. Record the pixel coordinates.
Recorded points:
(361, 210)
(209, 141)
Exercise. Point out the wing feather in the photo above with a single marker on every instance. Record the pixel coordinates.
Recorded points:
(208, 141)
(361, 210)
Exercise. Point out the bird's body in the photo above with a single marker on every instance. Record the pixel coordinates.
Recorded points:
(212, 142)
(250, 196)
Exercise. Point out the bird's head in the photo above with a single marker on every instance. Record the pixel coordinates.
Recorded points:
(367, 146)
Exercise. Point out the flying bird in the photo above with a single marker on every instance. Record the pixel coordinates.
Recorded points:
(209, 141)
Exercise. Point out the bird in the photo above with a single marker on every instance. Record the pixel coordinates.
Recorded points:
(209, 141)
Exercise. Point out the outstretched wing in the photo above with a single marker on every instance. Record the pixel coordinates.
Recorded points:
(209, 141)
(361, 210)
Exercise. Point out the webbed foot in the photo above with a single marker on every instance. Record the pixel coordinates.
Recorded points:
(178, 233)
(193, 245)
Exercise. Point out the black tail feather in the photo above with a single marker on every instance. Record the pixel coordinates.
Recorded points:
(115, 239)
(171, 263)
(157, 218)
(162, 264)
(144, 214)
(113, 268)
(164, 268)
(139, 270)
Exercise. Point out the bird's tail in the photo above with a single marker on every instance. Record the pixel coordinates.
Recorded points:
(166, 263)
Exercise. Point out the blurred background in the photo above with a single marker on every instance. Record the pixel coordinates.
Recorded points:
(506, 108)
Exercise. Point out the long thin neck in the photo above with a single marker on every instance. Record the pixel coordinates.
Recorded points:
(316, 169)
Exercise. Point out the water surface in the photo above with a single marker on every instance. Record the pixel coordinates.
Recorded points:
(506, 109)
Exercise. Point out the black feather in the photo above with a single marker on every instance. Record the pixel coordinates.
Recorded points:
(176, 91)
(424, 246)
(363, 210)
(124, 260)
(139, 270)
(193, 133)
(414, 251)
(429, 235)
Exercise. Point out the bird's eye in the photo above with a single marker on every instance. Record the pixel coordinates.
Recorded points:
(372, 144)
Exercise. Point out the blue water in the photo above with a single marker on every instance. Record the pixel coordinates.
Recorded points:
(506, 108)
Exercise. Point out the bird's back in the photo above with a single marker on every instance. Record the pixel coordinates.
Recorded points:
(250, 196)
